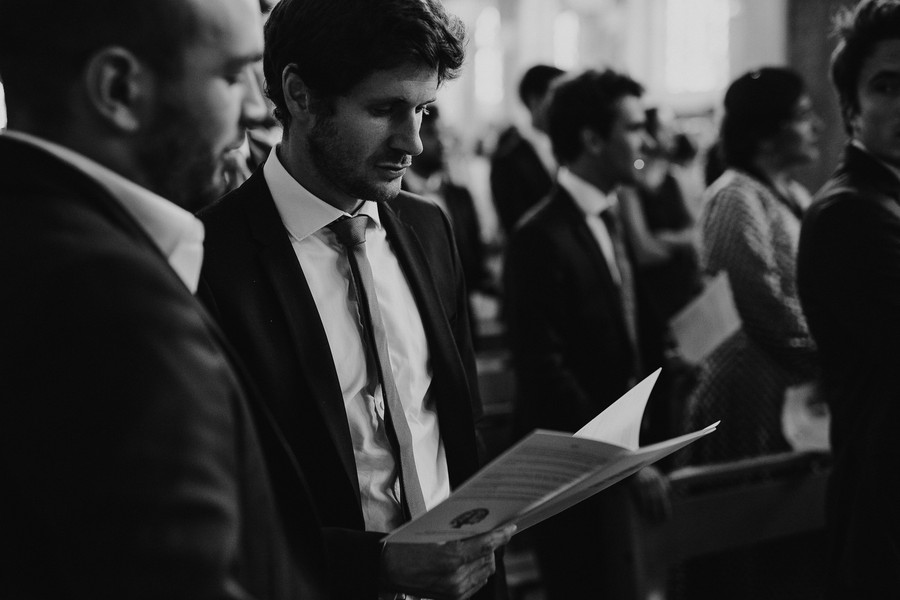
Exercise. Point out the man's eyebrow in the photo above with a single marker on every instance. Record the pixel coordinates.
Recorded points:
(237, 62)
(400, 100)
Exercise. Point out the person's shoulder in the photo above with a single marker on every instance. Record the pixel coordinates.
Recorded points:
(230, 203)
(550, 217)
(413, 208)
(509, 141)
(848, 208)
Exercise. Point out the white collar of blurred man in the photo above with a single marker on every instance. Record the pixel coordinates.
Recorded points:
(168, 134)
(175, 231)
(587, 196)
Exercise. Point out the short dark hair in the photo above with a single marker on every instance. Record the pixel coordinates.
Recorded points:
(536, 81)
(757, 104)
(858, 30)
(585, 101)
(337, 43)
(45, 44)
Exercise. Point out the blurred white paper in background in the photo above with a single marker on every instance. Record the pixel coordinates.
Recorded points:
(710, 319)
(805, 418)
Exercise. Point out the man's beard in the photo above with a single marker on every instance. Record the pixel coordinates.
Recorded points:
(338, 166)
(178, 167)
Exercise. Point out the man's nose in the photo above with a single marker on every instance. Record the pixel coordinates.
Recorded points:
(406, 135)
(254, 109)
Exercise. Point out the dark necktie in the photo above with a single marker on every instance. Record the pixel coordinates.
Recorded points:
(626, 279)
(351, 232)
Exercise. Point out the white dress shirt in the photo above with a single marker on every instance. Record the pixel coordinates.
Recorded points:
(327, 271)
(175, 231)
(592, 201)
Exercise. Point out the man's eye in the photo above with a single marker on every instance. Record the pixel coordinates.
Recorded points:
(887, 86)
(424, 110)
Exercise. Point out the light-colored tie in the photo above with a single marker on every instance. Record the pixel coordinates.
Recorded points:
(626, 279)
(351, 232)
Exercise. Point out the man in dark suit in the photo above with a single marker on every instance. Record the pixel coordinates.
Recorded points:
(337, 341)
(570, 299)
(849, 284)
(428, 177)
(522, 165)
(130, 464)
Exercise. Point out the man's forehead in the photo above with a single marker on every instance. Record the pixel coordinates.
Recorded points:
(884, 58)
(407, 81)
(232, 26)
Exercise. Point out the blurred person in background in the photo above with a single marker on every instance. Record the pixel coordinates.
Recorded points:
(261, 135)
(849, 279)
(522, 164)
(428, 176)
(662, 239)
(749, 228)
(571, 306)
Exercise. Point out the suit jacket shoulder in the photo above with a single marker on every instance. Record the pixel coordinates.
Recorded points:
(129, 448)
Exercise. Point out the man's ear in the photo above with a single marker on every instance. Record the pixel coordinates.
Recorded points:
(297, 95)
(118, 87)
(591, 141)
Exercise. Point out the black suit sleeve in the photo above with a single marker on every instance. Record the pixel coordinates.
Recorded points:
(120, 464)
(537, 307)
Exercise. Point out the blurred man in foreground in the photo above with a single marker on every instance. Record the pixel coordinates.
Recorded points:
(130, 463)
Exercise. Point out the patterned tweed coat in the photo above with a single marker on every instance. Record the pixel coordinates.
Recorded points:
(751, 233)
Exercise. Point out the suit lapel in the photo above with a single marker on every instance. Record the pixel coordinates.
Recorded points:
(448, 372)
(612, 296)
(302, 316)
(587, 240)
(870, 172)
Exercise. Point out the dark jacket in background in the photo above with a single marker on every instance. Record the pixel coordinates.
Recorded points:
(130, 464)
(849, 283)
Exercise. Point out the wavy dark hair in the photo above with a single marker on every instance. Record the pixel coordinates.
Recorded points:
(585, 101)
(757, 105)
(536, 81)
(858, 30)
(335, 44)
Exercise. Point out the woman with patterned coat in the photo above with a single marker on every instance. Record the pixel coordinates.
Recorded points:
(750, 226)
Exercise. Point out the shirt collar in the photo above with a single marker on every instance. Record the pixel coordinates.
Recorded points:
(888, 166)
(302, 212)
(175, 231)
(590, 199)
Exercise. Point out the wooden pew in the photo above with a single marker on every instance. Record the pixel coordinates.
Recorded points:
(714, 508)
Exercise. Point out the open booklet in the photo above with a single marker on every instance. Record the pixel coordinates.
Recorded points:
(546, 473)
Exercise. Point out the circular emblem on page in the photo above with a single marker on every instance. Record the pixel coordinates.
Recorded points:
(470, 517)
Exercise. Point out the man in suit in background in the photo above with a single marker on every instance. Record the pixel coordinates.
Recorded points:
(130, 464)
(360, 345)
(849, 284)
(570, 299)
(522, 165)
(427, 176)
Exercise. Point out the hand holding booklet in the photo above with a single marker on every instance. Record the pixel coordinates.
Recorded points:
(546, 473)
